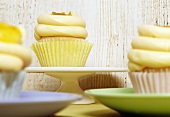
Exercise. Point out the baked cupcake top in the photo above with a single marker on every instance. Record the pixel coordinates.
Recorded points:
(14, 57)
(60, 25)
(151, 49)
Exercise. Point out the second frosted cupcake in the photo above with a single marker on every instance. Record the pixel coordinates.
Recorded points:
(149, 60)
(61, 40)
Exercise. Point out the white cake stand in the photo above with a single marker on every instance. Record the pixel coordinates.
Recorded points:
(69, 77)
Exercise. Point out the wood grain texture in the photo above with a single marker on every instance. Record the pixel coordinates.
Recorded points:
(111, 25)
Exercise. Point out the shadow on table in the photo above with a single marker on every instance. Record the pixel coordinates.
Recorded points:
(57, 116)
(141, 115)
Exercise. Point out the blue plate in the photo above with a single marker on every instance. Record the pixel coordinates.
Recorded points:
(36, 103)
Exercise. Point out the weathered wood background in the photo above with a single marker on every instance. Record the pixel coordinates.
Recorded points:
(111, 25)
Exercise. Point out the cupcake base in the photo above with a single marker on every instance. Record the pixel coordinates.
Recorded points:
(10, 84)
(62, 52)
(151, 81)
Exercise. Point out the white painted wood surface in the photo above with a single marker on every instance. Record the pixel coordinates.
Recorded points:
(111, 25)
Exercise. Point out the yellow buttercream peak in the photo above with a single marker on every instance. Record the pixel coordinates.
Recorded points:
(60, 24)
(151, 49)
(10, 34)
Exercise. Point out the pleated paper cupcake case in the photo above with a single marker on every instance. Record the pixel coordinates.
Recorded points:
(151, 82)
(62, 53)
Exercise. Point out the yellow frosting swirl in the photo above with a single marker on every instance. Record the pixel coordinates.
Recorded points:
(60, 25)
(154, 31)
(151, 49)
(10, 34)
(13, 56)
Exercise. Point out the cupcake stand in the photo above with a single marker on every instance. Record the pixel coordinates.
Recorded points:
(69, 77)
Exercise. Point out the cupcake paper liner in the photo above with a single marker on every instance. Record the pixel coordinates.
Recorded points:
(151, 81)
(62, 52)
(11, 84)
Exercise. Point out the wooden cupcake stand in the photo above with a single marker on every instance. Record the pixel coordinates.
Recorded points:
(69, 77)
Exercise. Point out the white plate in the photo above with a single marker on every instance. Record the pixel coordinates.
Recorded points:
(36, 103)
(75, 69)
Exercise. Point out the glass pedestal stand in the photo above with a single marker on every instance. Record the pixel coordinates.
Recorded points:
(69, 77)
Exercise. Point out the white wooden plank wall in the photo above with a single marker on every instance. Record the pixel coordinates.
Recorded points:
(111, 25)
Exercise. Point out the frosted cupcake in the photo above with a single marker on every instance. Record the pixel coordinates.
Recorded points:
(61, 40)
(13, 59)
(149, 60)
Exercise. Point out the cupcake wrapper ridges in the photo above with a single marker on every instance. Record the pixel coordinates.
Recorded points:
(62, 52)
(155, 81)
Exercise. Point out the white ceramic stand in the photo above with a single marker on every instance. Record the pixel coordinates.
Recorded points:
(69, 83)
(69, 77)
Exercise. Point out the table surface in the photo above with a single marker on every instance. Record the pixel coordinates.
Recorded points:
(91, 110)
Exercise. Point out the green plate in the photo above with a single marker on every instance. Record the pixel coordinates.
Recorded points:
(126, 101)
